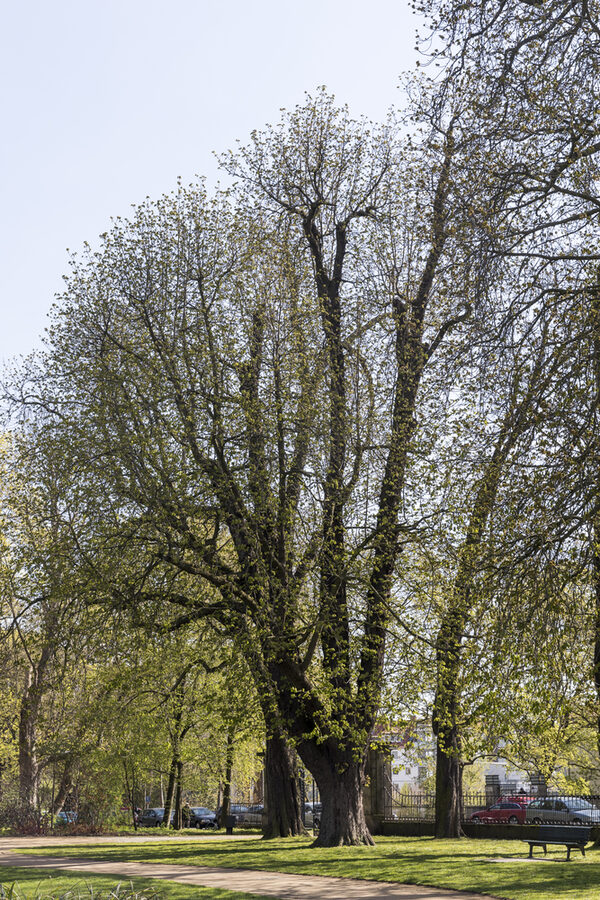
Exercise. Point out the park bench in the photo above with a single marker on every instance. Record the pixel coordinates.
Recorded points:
(574, 837)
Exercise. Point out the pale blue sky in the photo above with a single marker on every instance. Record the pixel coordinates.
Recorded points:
(106, 102)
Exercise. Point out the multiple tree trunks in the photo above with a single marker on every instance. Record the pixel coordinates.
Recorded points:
(29, 768)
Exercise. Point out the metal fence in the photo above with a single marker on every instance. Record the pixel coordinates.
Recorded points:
(507, 808)
(412, 807)
(420, 807)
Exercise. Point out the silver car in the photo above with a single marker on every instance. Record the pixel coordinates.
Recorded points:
(254, 815)
(562, 810)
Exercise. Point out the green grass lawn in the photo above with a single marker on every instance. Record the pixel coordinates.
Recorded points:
(129, 831)
(52, 883)
(499, 868)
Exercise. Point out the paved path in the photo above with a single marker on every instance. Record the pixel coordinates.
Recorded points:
(272, 884)
(24, 843)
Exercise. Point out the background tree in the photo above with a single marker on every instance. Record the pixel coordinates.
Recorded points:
(44, 621)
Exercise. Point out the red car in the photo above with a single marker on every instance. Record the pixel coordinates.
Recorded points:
(508, 809)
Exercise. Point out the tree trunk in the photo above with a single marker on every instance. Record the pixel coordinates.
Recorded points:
(595, 327)
(66, 782)
(340, 779)
(29, 771)
(448, 785)
(448, 773)
(31, 701)
(281, 794)
(177, 821)
(130, 788)
(448, 801)
(226, 807)
(170, 789)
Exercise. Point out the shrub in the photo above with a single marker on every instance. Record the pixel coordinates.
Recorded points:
(22, 819)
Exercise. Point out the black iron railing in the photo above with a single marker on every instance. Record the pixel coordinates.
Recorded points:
(509, 808)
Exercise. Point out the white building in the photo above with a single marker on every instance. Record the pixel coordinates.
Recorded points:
(413, 760)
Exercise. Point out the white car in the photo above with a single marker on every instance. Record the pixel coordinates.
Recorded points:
(561, 811)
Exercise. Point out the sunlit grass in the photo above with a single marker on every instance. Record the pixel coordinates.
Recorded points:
(494, 867)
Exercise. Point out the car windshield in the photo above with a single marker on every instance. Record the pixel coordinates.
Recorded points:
(201, 811)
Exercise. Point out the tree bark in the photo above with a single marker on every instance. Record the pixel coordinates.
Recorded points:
(448, 776)
(448, 785)
(282, 796)
(341, 780)
(178, 818)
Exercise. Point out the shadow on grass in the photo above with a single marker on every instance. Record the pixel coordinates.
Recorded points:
(500, 869)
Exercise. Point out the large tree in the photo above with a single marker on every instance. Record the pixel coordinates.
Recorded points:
(239, 380)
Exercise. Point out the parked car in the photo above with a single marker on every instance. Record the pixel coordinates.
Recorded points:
(562, 810)
(507, 810)
(312, 815)
(153, 817)
(202, 817)
(65, 817)
(254, 814)
(238, 810)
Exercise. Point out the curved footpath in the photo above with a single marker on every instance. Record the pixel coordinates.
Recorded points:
(273, 884)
